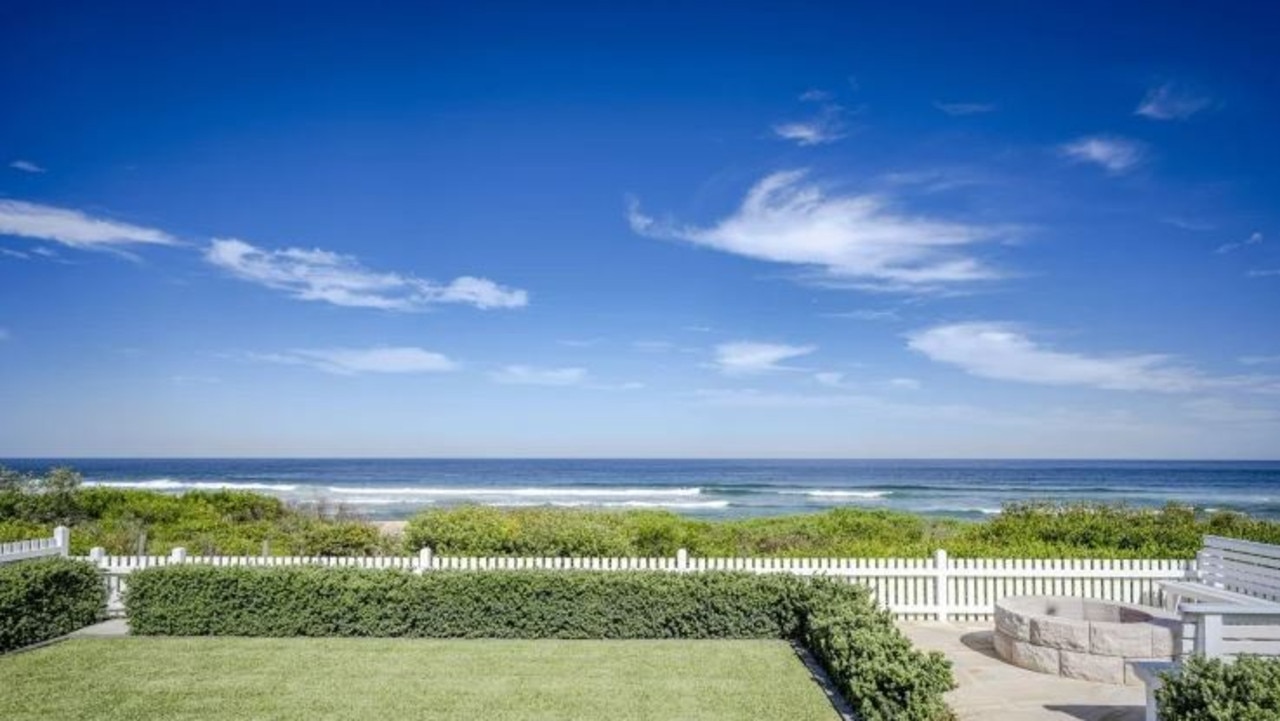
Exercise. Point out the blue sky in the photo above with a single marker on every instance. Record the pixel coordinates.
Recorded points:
(783, 229)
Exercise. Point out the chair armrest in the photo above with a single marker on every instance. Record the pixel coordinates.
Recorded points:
(1229, 609)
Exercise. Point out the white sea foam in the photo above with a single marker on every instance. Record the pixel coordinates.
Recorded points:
(370, 501)
(168, 484)
(526, 492)
(674, 505)
(823, 493)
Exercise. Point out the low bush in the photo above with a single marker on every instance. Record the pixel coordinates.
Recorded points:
(1247, 689)
(130, 521)
(47, 598)
(1020, 531)
(884, 678)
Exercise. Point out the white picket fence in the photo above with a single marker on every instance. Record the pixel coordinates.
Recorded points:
(59, 544)
(938, 588)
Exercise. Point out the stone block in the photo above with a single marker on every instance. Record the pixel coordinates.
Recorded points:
(1088, 667)
(1034, 658)
(1012, 624)
(1164, 637)
(1129, 640)
(1060, 633)
(1003, 644)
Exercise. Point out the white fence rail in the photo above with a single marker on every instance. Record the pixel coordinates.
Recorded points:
(59, 544)
(912, 588)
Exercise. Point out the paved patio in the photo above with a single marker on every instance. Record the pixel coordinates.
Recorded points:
(992, 690)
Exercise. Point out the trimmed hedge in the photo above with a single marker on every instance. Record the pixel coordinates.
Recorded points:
(44, 599)
(1247, 689)
(872, 663)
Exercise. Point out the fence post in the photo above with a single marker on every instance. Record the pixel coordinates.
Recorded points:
(682, 560)
(941, 584)
(424, 558)
(178, 555)
(96, 554)
(62, 538)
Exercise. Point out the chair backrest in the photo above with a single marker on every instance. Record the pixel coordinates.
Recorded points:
(1244, 567)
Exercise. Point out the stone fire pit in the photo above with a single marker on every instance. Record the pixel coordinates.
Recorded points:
(1082, 638)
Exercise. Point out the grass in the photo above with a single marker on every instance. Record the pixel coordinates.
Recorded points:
(387, 679)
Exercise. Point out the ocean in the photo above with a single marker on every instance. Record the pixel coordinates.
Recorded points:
(387, 489)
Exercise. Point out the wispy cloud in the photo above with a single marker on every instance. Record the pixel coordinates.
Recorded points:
(26, 166)
(827, 126)
(528, 375)
(747, 357)
(1002, 352)
(966, 108)
(1253, 239)
(1171, 101)
(355, 361)
(908, 384)
(73, 228)
(555, 377)
(321, 275)
(814, 95)
(852, 239)
(14, 254)
(1192, 224)
(1117, 155)
(866, 314)
(1264, 273)
(1253, 360)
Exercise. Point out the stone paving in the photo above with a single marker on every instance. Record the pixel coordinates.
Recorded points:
(992, 690)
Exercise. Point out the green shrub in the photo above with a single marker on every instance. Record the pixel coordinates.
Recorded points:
(129, 521)
(47, 598)
(1247, 689)
(883, 677)
(197, 600)
(852, 638)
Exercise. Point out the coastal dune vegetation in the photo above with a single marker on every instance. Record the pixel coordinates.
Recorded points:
(128, 521)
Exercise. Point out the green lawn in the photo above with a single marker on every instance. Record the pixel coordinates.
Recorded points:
(386, 679)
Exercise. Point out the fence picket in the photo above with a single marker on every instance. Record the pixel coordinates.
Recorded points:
(933, 588)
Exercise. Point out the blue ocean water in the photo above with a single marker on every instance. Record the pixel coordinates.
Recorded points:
(396, 488)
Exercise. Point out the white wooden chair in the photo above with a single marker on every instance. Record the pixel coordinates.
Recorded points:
(1235, 608)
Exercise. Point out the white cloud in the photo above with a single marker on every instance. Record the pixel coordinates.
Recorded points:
(831, 379)
(808, 132)
(26, 166)
(825, 127)
(865, 314)
(1193, 224)
(1254, 239)
(745, 357)
(556, 377)
(853, 239)
(1000, 351)
(966, 108)
(814, 95)
(341, 279)
(14, 254)
(528, 375)
(1171, 102)
(354, 361)
(72, 227)
(1116, 155)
